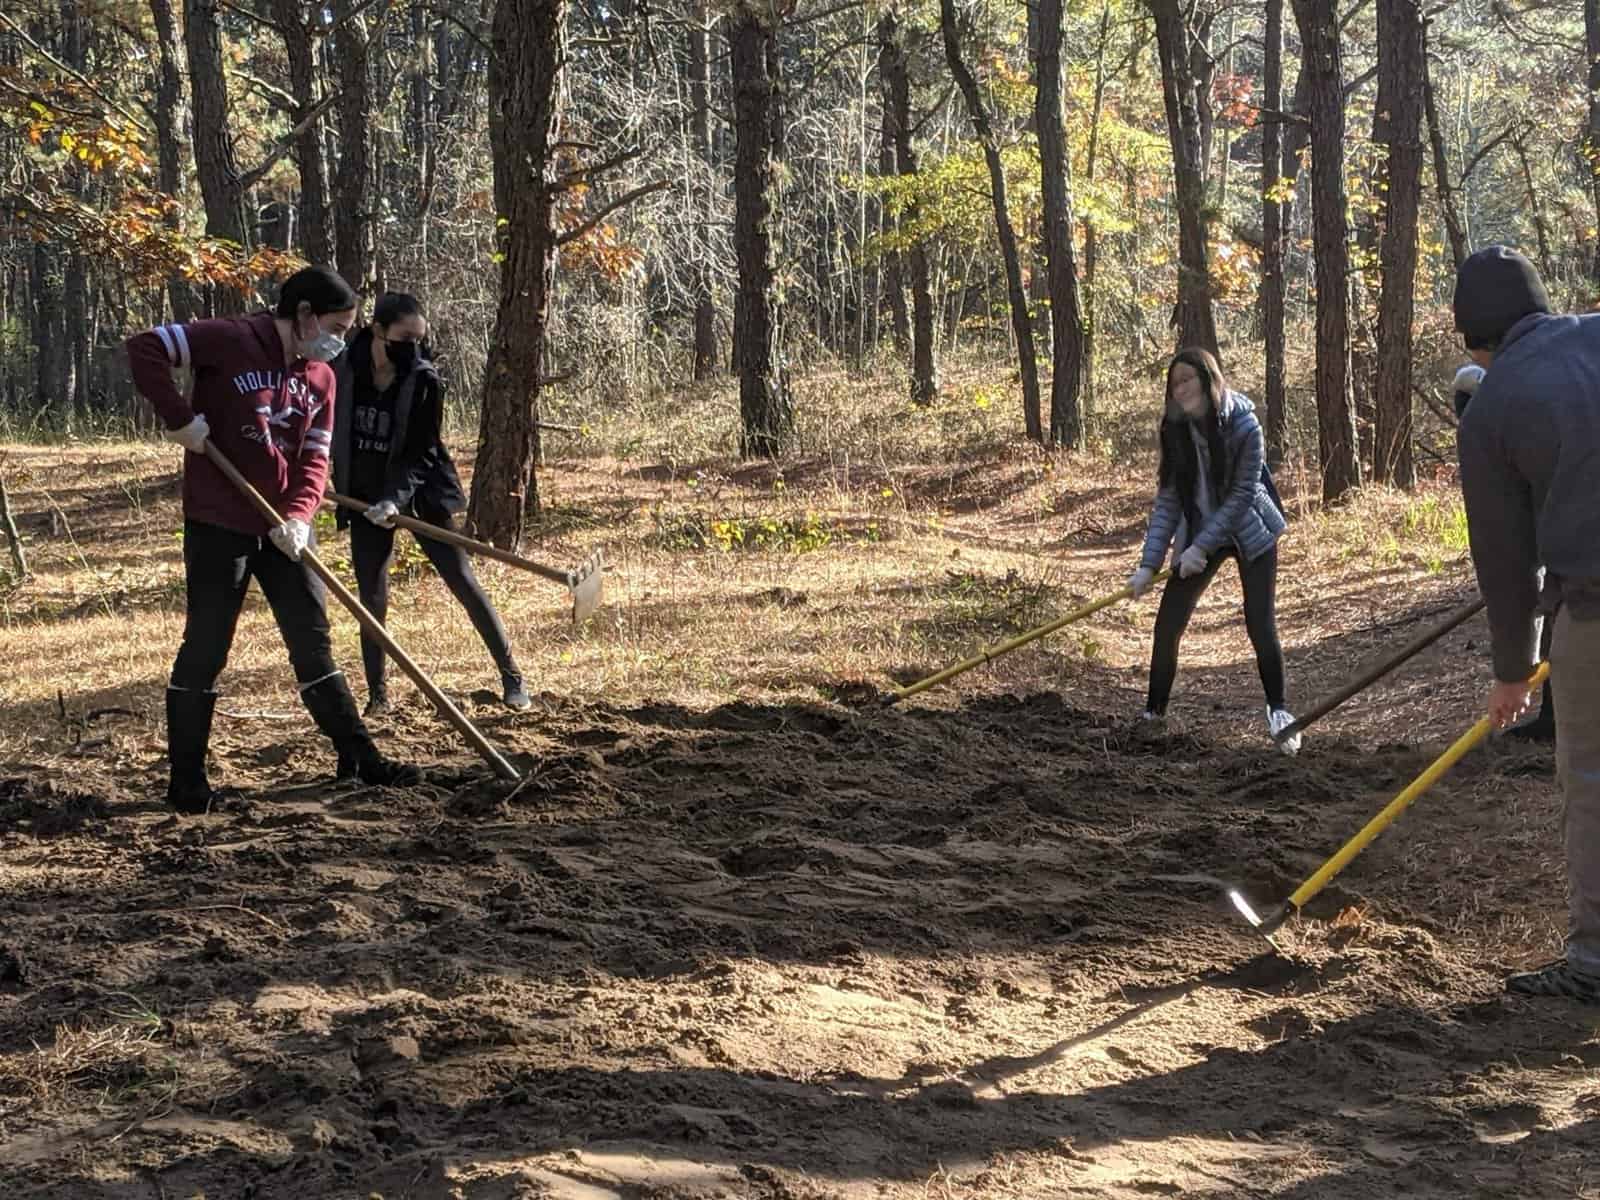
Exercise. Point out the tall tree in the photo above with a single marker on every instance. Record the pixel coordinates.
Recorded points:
(897, 121)
(984, 128)
(1455, 229)
(1399, 129)
(526, 66)
(302, 28)
(1091, 231)
(705, 312)
(1066, 415)
(1186, 105)
(171, 118)
(220, 183)
(353, 184)
(888, 166)
(1590, 146)
(766, 413)
(1323, 67)
(1273, 233)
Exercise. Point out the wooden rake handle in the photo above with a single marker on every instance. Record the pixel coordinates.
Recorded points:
(371, 625)
(440, 534)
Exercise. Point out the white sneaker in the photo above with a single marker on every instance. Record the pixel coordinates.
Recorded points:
(1279, 719)
(1151, 718)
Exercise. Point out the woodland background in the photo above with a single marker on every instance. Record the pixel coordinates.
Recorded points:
(605, 204)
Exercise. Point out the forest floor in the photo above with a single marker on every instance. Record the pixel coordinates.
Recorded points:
(745, 934)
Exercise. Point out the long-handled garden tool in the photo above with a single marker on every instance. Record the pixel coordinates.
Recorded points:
(1022, 639)
(582, 581)
(371, 624)
(1367, 678)
(1301, 896)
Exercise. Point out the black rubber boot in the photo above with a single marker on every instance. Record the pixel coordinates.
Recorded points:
(1541, 728)
(188, 734)
(334, 709)
(513, 691)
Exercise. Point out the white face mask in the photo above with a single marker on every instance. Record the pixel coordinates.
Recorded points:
(323, 347)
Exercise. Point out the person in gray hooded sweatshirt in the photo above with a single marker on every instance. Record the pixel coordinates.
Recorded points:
(1529, 444)
(1214, 501)
(1542, 728)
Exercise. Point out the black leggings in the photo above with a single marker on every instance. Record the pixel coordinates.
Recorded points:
(218, 565)
(1178, 601)
(372, 547)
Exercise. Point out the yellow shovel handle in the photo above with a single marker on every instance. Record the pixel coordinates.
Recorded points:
(1303, 894)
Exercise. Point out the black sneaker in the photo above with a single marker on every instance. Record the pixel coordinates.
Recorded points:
(515, 693)
(377, 703)
(1556, 980)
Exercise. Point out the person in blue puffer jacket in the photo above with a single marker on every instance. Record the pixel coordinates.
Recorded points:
(1214, 501)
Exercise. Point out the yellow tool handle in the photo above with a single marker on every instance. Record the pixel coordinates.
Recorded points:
(1022, 639)
(1303, 894)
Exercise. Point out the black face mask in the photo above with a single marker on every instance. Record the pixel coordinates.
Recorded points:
(403, 355)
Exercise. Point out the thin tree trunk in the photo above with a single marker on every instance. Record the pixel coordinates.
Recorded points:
(354, 218)
(1193, 318)
(316, 239)
(1590, 146)
(1400, 53)
(1091, 234)
(897, 119)
(525, 82)
(888, 165)
(172, 118)
(1066, 415)
(766, 417)
(1273, 235)
(1455, 229)
(705, 313)
(1540, 227)
(1002, 219)
(1323, 65)
(218, 171)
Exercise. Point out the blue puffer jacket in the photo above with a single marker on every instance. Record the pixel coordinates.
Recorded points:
(1246, 513)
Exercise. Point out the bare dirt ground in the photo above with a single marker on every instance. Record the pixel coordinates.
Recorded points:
(742, 935)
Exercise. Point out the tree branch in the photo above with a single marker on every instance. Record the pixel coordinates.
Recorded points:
(271, 92)
(583, 174)
(252, 177)
(1483, 152)
(626, 198)
(252, 15)
(65, 69)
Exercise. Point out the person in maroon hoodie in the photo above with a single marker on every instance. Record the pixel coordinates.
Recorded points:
(264, 394)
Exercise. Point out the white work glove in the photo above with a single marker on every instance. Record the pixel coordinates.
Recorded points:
(292, 537)
(1192, 562)
(1468, 378)
(383, 513)
(192, 437)
(1139, 582)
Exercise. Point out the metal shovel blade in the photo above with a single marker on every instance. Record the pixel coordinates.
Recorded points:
(584, 582)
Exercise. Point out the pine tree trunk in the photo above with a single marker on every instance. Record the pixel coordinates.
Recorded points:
(1185, 104)
(1400, 52)
(888, 165)
(705, 313)
(897, 122)
(1323, 69)
(765, 413)
(214, 161)
(1091, 235)
(354, 217)
(525, 83)
(1273, 213)
(316, 240)
(981, 125)
(1455, 228)
(1066, 416)
(172, 118)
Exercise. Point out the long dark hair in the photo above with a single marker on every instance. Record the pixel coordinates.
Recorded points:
(1180, 461)
(322, 288)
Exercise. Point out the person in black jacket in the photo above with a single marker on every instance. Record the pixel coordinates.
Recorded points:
(387, 450)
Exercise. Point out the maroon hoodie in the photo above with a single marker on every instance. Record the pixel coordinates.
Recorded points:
(274, 424)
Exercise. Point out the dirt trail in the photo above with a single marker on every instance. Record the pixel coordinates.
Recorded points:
(791, 951)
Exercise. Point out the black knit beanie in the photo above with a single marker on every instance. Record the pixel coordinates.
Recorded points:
(1496, 288)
